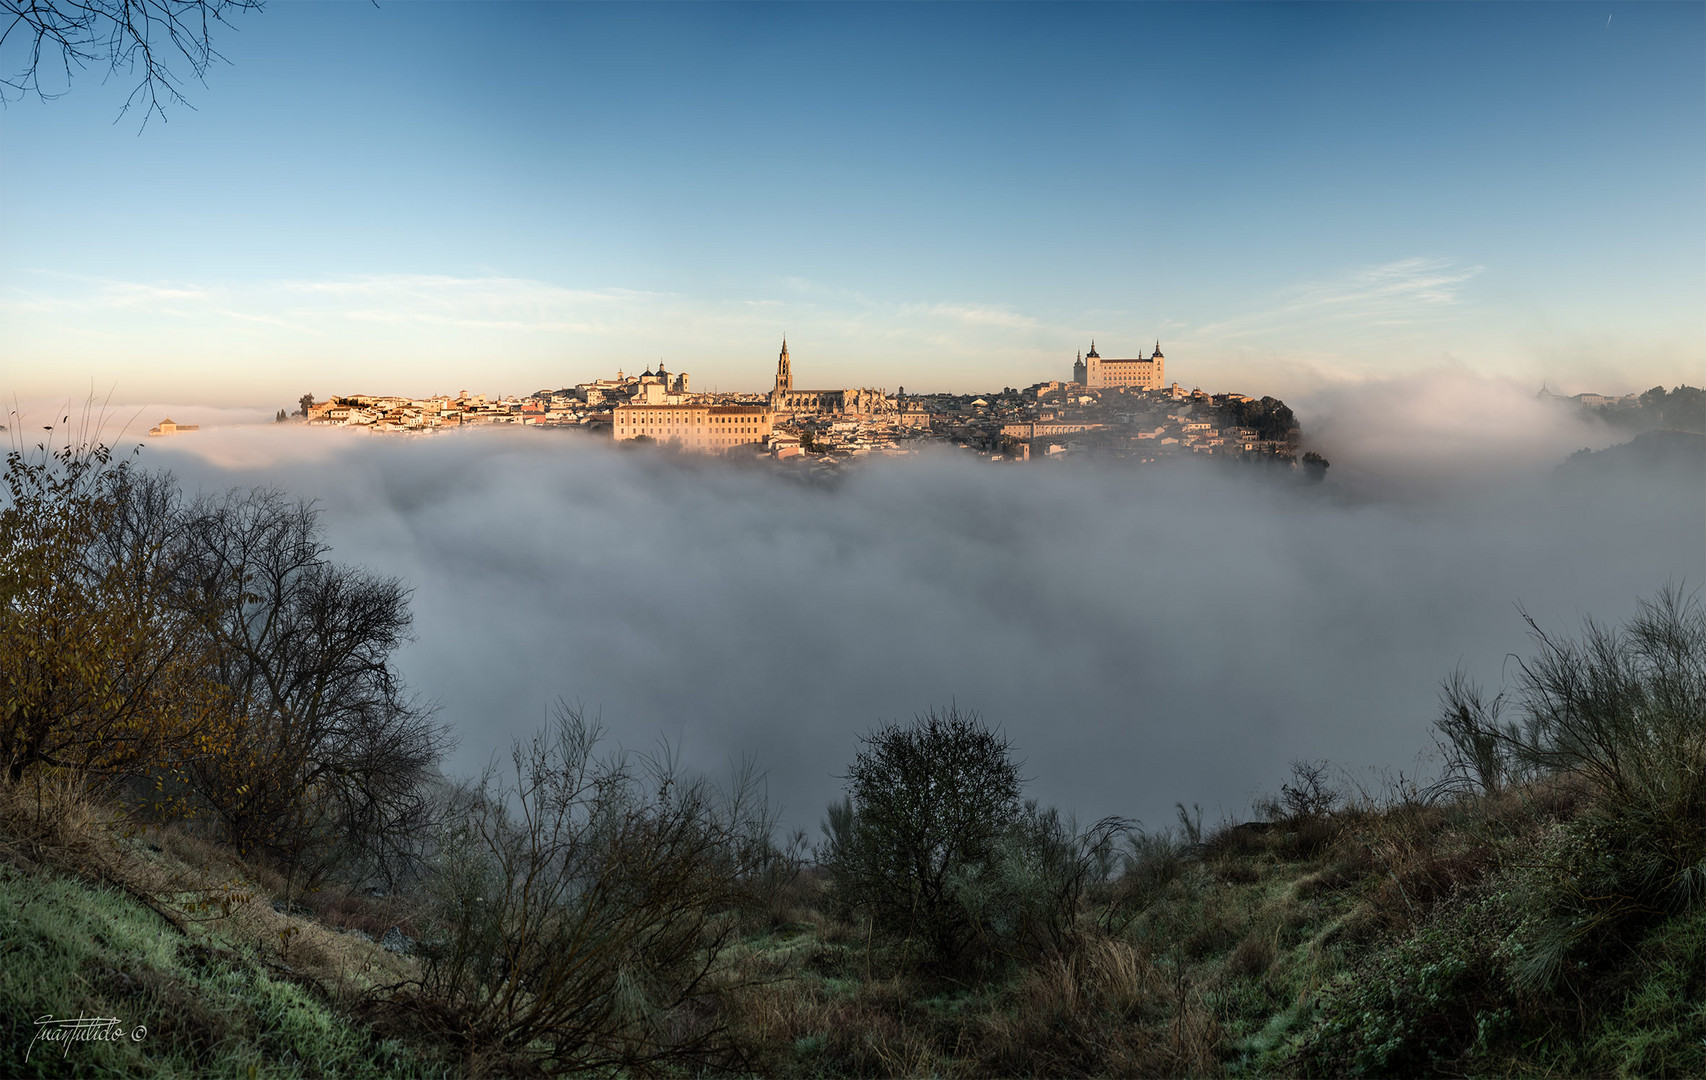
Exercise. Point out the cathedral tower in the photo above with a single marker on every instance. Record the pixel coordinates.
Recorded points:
(784, 377)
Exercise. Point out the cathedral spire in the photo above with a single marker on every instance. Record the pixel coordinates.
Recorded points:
(784, 376)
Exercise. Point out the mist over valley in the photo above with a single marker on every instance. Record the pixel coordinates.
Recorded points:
(1144, 636)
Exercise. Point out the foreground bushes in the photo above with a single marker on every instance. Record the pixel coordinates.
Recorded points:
(926, 805)
(100, 671)
(1621, 711)
(1546, 953)
(1542, 911)
(581, 907)
(208, 659)
(934, 848)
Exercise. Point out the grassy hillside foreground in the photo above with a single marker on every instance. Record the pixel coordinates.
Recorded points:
(1374, 941)
(227, 849)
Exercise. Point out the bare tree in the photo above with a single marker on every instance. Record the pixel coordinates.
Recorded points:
(159, 41)
(326, 755)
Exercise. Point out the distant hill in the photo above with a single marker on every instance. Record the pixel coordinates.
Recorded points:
(1665, 454)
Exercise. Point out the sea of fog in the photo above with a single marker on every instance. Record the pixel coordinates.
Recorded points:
(1143, 636)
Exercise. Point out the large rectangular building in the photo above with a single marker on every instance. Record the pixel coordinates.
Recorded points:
(1094, 372)
(1025, 429)
(709, 428)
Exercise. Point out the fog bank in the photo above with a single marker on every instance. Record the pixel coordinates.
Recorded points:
(1145, 636)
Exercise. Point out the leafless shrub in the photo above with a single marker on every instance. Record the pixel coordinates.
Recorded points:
(582, 910)
(1149, 864)
(769, 873)
(1309, 795)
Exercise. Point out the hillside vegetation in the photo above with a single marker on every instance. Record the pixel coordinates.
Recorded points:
(222, 825)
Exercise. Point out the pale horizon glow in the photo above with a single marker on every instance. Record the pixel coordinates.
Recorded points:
(1288, 197)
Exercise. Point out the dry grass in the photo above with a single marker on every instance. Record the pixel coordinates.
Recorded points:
(1254, 955)
(54, 821)
(862, 1027)
(1109, 1009)
(48, 819)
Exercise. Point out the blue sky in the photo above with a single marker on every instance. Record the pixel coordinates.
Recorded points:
(430, 197)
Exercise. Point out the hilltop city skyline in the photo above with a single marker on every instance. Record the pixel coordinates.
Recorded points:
(1295, 195)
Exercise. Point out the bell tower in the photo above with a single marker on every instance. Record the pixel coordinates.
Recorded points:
(784, 377)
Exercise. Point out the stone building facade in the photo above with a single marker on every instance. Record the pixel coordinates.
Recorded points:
(707, 428)
(1096, 373)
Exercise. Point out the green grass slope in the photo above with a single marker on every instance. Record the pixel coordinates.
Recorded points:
(69, 948)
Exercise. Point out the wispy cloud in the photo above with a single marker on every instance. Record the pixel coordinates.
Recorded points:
(525, 326)
(490, 289)
(487, 302)
(82, 292)
(1403, 293)
(975, 314)
(480, 303)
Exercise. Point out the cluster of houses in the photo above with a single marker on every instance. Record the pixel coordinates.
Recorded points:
(1052, 419)
(1125, 414)
(390, 413)
(585, 405)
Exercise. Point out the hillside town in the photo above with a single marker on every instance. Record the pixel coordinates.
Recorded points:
(1109, 408)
